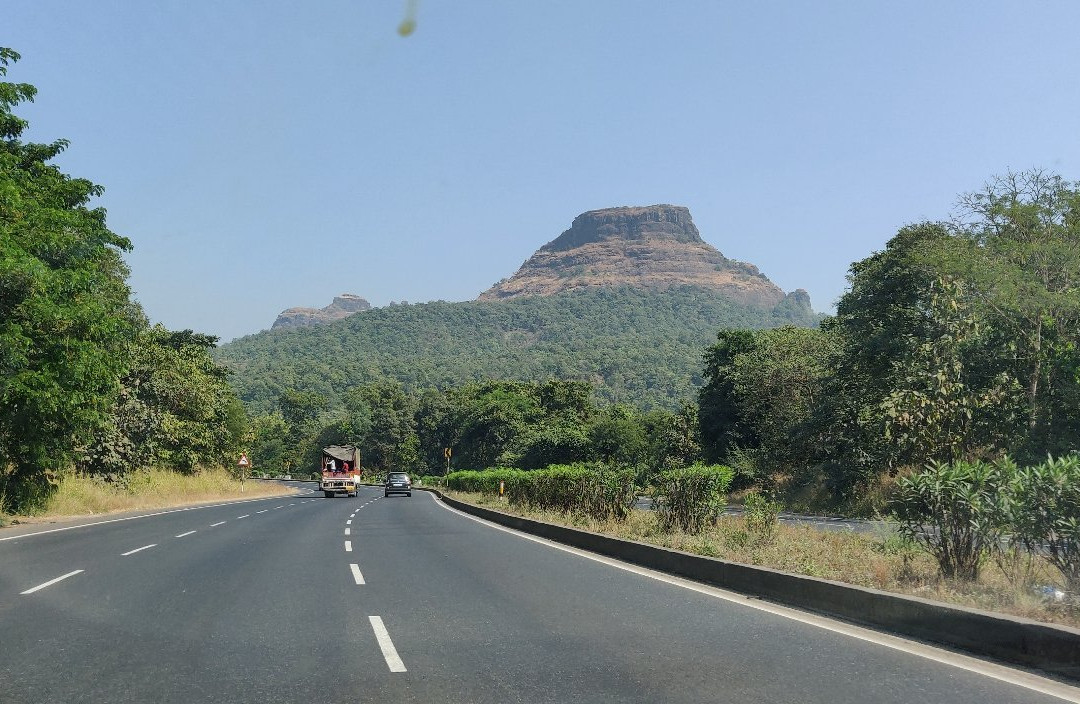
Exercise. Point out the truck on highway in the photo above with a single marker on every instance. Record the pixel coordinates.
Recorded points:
(340, 468)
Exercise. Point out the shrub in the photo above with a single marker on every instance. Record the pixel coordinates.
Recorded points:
(481, 482)
(1044, 513)
(689, 497)
(954, 512)
(762, 515)
(591, 489)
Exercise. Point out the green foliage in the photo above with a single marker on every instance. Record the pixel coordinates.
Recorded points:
(175, 409)
(636, 346)
(390, 441)
(65, 312)
(762, 515)
(593, 490)
(689, 497)
(1044, 513)
(481, 482)
(939, 412)
(618, 436)
(954, 511)
(269, 449)
(762, 390)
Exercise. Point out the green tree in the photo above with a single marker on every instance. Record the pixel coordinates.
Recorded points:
(617, 436)
(1023, 266)
(65, 309)
(724, 425)
(937, 412)
(269, 449)
(391, 442)
(301, 411)
(762, 390)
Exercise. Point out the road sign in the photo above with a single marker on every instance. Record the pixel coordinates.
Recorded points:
(243, 460)
(447, 452)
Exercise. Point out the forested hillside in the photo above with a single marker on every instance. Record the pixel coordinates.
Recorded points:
(635, 345)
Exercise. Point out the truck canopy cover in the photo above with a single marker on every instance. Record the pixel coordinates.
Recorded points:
(341, 453)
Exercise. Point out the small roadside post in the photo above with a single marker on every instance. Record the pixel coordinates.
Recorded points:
(243, 464)
(502, 489)
(446, 454)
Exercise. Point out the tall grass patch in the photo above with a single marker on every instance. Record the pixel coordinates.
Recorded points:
(79, 495)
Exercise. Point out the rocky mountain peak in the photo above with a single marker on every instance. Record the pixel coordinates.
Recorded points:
(342, 307)
(656, 246)
(659, 222)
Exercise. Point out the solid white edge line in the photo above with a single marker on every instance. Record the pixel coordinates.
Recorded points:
(132, 552)
(50, 582)
(182, 535)
(132, 518)
(389, 652)
(356, 575)
(1003, 673)
(348, 546)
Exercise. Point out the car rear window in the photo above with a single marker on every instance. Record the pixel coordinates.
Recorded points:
(397, 477)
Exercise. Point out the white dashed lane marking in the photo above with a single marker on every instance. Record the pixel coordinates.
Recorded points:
(132, 552)
(184, 534)
(219, 523)
(357, 577)
(348, 546)
(390, 653)
(244, 516)
(51, 582)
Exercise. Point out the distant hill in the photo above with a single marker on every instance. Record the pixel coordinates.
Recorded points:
(635, 344)
(654, 247)
(342, 307)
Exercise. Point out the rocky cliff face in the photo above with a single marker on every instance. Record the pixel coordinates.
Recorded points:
(657, 246)
(343, 306)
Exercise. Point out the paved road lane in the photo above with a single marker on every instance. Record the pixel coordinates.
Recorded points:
(429, 605)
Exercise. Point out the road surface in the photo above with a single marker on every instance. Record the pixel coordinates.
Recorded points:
(372, 599)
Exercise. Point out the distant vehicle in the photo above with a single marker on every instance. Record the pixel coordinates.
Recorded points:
(397, 483)
(340, 465)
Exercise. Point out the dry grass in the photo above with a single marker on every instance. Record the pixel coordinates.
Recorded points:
(878, 561)
(146, 489)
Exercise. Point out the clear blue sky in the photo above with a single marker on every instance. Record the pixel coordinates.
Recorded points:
(263, 155)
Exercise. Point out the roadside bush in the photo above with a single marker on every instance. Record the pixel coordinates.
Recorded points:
(481, 482)
(954, 511)
(762, 516)
(689, 497)
(1044, 513)
(594, 490)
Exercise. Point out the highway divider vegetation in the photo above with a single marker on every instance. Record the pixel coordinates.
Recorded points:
(964, 512)
(688, 498)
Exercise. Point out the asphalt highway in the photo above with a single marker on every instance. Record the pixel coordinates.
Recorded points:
(373, 599)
